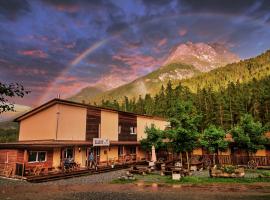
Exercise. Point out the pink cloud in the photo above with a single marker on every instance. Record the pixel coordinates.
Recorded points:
(30, 71)
(182, 32)
(138, 65)
(33, 53)
(67, 8)
(70, 46)
(162, 42)
(65, 89)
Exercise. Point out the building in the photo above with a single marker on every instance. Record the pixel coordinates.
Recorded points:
(61, 129)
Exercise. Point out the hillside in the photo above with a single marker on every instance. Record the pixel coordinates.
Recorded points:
(10, 115)
(242, 72)
(9, 131)
(87, 93)
(183, 62)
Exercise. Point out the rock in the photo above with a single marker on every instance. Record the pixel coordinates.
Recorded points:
(176, 176)
(193, 168)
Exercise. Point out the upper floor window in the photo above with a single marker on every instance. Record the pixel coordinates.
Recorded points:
(133, 130)
(37, 156)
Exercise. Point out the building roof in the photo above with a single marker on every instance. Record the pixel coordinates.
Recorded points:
(57, 143)
(71, 103)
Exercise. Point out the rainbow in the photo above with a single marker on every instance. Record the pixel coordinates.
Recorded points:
(92, 48)
(72, 64)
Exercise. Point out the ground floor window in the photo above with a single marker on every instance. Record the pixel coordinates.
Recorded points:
(132, 150)
(68, 153)
(37, 156)
(120, 150)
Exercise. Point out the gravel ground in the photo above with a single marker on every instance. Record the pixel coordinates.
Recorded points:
(96, 187)
(100, 178)
(95, 178)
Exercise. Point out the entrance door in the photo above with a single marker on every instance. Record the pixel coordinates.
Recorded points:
(96, 153)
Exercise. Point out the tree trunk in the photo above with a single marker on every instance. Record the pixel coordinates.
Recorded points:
(187, 160)
(181, 158)
(231, 113)
(221, 115)
(214, 159)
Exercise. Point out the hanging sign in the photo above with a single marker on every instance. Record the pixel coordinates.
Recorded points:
(101, 142)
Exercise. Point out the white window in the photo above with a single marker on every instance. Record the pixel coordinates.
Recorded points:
(133, 130)
(119, 129)
(68, 153)
(37, 156)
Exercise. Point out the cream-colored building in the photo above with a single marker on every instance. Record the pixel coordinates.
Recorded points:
(59, 130)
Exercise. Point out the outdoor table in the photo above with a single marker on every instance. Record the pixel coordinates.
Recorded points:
(69, 165)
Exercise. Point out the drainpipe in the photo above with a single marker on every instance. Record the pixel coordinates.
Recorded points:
(57, 122)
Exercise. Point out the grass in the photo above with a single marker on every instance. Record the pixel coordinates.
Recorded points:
(265, 173)
(194, 180)
(120, 181)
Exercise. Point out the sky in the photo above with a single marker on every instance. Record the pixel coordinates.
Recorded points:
(61, 46)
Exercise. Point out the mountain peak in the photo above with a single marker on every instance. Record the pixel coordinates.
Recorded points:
(204, 57)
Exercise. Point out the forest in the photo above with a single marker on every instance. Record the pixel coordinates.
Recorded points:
(222, 108)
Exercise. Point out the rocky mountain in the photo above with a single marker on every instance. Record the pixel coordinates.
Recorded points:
(204, 57)
(184, 61)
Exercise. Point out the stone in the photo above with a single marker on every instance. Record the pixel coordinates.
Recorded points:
(176, 176)
(151, 164)
(193, 168)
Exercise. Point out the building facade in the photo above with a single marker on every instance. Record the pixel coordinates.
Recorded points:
(60, 129)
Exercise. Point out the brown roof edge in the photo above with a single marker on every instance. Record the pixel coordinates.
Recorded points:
(59, 143)
(71, 103)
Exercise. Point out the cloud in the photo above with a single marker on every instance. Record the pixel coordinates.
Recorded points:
(33, 53)
(117, 27)
(162, 42)
(250, 8)
(13, 8)
(182, 32)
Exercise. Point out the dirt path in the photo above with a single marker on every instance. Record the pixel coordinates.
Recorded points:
(135, 191)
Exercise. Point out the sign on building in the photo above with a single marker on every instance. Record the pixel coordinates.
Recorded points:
(101, 142)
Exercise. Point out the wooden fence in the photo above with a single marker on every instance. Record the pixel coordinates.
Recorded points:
(238, 160)
(222, 159)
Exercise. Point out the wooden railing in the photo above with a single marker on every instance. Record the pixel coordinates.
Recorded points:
(236, 159)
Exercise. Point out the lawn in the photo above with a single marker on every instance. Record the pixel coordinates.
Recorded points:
(252, 176)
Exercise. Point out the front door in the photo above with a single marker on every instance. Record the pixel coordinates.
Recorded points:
(96, 153)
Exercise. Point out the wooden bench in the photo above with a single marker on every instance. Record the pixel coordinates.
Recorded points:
(7, 171)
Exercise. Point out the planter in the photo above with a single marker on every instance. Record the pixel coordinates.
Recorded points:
(225, 173)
